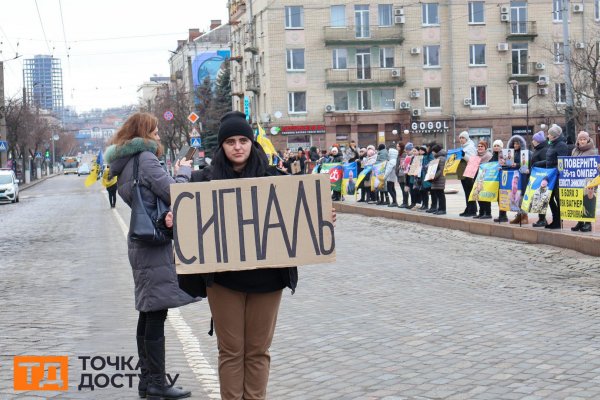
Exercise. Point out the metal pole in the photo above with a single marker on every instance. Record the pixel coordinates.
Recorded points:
(527, 121)
(570, 125)
(53, 157)
(2, 119)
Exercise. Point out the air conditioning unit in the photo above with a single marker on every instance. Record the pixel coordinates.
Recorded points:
(416, 112)
(398, 11)
(540, 66)
(542, 91)
(504, 9)
(415, 50)
(396, 73)
(502, 46)
(329, 108)
(399, 19)
(577, 8)
(404, 105)
(505, 17)
(467, 101)
(543, 80)
(415, 94)
(580, 45)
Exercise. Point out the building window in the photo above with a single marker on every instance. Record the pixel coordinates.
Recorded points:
(297, 102)
(559, 52)
(557, 10)
(430, 14)
(478, 96)
(476, 14)
(340, 58)
(294, 17)
(386, 57)
(388, 99)
(338, 16)
(431, 56)
(477, 54)
(361, 20)
(560, 90)
(385, 14)
(520, 95)
(433, 97)
(340, 100)
(295, 59)
(364, 100)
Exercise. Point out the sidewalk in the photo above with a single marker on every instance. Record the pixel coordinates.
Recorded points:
(587, 243)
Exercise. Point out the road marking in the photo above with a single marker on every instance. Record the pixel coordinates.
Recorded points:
(205, 374)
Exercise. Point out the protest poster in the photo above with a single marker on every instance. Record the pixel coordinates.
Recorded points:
(487, 183)
(361, 177)
(539, 189)
(415, 166)
(453, 159)
(406, 165)
(510, 190)
(524, 159)
(577, 200)
(335, 171)
(295, 167)
(472, 167)
(378, 176)
(349, 179)
(508, 155)
(243, 224)
(432, 169)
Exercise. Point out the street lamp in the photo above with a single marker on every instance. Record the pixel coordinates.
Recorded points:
(514, 84)
(55, 137)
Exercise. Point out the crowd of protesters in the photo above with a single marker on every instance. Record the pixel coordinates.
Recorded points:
(416, 193)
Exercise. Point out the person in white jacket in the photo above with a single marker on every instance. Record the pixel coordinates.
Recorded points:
(390, 175)
(469, 149)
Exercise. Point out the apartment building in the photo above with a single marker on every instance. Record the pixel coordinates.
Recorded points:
(324, 72)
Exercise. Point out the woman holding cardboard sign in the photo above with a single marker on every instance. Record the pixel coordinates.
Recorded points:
(244, 304)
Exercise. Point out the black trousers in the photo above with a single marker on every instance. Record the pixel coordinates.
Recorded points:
(555, 205)
(438, 199)
(405, 193)
(467, 185)
(112, 195)
(425, 197)
(485, 208)
(151, 324)
(391, 188)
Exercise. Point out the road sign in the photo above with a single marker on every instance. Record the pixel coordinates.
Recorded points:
(193, 117)
(196, 142)
(247, 108)
(38, 154)
(168, 115)
(194, 132)
(3, 145)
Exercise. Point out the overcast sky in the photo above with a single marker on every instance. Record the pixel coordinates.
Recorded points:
(113, 45)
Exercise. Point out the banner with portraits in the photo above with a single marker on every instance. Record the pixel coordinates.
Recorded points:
(578, 199)
(378, 176)
(510, 190)
(349, 180)
(539, 189)
(487, 183)
(453, 159)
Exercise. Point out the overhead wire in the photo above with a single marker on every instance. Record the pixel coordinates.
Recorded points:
(42, 25)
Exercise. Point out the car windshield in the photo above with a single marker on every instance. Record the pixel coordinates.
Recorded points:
(4, 179)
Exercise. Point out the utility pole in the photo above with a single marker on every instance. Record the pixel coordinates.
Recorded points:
(3, 159)
(569, 120)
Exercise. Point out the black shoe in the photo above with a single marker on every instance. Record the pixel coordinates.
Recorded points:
(440, 212)
(477, 216)
(587, 227)
(467, 214)
(361, 201)
(554, 225)
(540, 223)
(501, 219)
(403, 205)
(485, 216)
(431, 210)
(410, 207)
(393, 204)
(158, 388)
(143, 364)
(577, 227)
(423, 208)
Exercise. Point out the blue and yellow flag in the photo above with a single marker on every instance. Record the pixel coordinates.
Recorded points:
(266, 144)
(361, 177)
(95, 170)
(539, 188)
(452, 161)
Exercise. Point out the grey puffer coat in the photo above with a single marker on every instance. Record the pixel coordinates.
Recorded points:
(154, 276)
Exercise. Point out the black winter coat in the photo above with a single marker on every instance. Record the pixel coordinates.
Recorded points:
(555, 149)
(539, 153)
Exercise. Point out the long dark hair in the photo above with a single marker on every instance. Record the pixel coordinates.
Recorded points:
(255, 167)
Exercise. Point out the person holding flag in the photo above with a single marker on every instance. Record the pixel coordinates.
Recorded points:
(96, 171)
(267, 145)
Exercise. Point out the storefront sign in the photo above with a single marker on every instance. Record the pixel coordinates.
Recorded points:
(430, 126)
(521, 130)
(478, 132)
(303, 130)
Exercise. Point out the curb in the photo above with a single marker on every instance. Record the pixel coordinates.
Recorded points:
(589, 245)
(33, 183)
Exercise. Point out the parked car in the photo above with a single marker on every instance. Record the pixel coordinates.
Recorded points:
(83, 169)
(9, 186)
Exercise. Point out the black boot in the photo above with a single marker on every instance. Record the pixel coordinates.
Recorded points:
(586, 227)
(541, 222)
(577, 227)
(157, 384)
(143, 364)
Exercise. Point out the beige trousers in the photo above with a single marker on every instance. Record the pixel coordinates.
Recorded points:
(244, 324)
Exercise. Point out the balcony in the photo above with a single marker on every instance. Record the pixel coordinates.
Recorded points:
(252, 83)
(361, 35)
(524, 72)
(364, 77)
(237, 8)
(521, 30)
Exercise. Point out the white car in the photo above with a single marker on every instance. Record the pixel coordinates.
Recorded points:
(9, 186)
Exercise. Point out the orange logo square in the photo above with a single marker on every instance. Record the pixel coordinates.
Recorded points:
(47, 373)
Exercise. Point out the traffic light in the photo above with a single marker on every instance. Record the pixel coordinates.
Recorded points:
(47, 154)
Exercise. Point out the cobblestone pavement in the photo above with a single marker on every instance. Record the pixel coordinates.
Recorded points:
(407, 312)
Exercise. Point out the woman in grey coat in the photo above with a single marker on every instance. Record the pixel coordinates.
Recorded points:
(154, 276)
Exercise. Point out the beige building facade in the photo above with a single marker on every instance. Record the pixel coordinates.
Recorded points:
(315, 73)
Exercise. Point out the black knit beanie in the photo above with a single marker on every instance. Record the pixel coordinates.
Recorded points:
(234, 123)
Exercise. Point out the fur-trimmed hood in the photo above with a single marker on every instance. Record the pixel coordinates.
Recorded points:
(118, 156)
(512, 140)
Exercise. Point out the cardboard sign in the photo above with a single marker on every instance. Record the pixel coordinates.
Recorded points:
(242, 224)
(415, 166)
(295, 167)
(472, 167)
(432, 168)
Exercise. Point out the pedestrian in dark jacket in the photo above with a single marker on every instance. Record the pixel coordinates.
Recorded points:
(154, 276)
(557, 146)
(438, 184)
(539, 154)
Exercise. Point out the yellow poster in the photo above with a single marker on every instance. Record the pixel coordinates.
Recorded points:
(487, 183)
